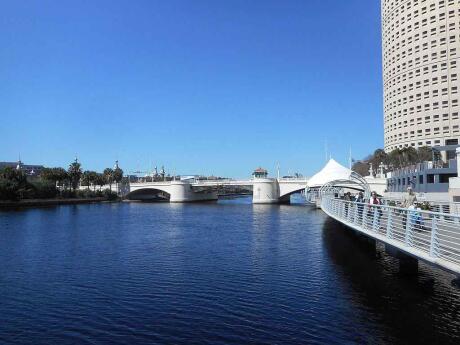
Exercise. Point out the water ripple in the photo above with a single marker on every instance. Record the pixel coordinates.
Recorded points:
(226, 273)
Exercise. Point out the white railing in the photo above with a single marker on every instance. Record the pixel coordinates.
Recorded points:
(431, 236)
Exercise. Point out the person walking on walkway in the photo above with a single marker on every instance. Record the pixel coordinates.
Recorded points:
(409, 198)
(408, 201)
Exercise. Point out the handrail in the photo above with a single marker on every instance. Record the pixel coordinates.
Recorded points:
(431, 236)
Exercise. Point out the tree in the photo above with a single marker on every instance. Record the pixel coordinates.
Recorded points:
(86, 179)
(117, 176)
(108, 175)
(409, 156)
(13, 184)
(61, 177)
(93, 179)
(379, 157)
(100, 180)
(361, 168)
(394, 159)
(48, 175)
(425, 153)
(56, 175)
(75, 173)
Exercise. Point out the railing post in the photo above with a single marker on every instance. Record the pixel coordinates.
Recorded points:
(355, 216)
(375, 220)
(365, 211)
(434, 244)
(389, 223)
(408, 237)
(348, 211)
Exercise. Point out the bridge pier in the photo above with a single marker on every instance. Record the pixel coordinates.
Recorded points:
(181, 191)
(408, 265)
(265, 191)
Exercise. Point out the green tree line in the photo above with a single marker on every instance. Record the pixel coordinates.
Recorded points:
(58, 183)
(395, 159)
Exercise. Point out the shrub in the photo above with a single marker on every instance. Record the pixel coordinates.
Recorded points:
(42, 190)
(110, 195)
(67, 193)
(8, 190)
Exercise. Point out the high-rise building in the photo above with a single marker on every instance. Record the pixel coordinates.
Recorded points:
(421, 51)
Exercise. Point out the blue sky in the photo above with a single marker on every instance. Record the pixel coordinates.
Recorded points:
(212, 87)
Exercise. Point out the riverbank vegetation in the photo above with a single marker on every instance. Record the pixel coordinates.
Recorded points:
(58, 183)
(395, 159)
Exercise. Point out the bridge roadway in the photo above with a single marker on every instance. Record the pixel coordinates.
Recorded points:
(409, 235)
(265, 190)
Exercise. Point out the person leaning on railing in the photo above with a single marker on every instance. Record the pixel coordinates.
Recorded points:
(373, 201)
(347, 197)
(415, 217)
(359, 199)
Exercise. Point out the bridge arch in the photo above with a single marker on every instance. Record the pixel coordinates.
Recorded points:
(148, 194)
(287, 188)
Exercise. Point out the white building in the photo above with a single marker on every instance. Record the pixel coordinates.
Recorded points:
(421, 51)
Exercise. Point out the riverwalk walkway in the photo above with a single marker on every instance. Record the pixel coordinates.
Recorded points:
(432, 237)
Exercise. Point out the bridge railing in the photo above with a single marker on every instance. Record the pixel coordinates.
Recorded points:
(432, 233)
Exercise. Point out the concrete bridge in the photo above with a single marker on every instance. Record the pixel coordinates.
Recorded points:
(265, 190)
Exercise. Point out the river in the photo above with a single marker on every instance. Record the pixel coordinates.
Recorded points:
(215, 273)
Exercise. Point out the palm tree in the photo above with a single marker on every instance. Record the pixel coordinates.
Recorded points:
(75, 173)
(56, 175)
(100, 180)
(108, 175)
(117, 176)
(85, 179)
(93, 179)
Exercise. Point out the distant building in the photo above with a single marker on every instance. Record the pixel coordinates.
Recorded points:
(28, 169)
(260, 173)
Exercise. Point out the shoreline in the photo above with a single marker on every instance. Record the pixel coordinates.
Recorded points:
(50, 202)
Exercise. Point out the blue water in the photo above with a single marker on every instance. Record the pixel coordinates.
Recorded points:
(222, 273)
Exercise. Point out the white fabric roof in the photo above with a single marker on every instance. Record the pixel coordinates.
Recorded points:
(332, 171)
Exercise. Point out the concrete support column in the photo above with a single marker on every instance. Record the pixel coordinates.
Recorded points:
(369, 245)
(408, 265)
(181, 191)
(458, 161)
(454, 188)
(265, 191)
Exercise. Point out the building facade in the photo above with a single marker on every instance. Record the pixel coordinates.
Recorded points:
(421, 70)
(28, 169)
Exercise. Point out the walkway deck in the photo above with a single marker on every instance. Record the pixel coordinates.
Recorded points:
(429, 236)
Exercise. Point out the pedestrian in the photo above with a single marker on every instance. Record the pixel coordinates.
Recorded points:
(409, 198)
(359, 199)
(374, 201)
(347, 198)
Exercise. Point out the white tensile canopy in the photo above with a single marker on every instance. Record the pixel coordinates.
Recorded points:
(332, 171)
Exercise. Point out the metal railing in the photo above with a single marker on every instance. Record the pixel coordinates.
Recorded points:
(431, 236)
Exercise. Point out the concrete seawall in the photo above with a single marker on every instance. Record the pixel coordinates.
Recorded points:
(50, 202)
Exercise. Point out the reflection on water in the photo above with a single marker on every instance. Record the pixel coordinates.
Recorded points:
(424, 310)
(226, 272)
